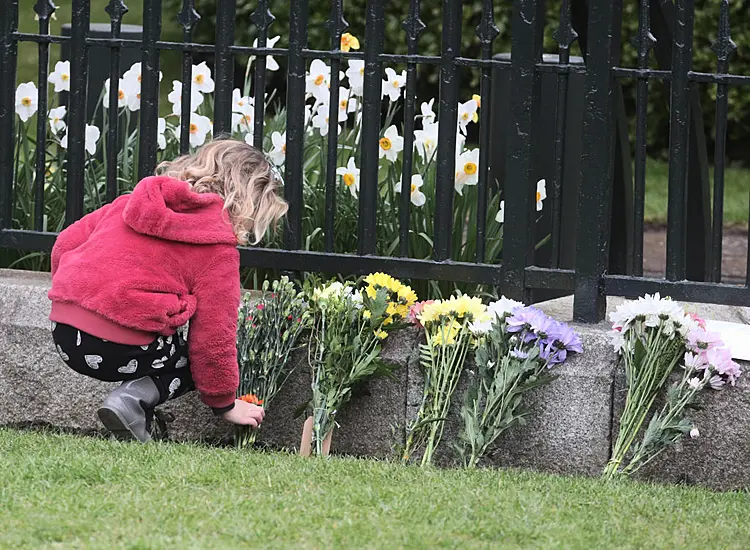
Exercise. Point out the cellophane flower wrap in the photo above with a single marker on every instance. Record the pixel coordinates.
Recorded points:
(655, 337)
(517, 349)
(348, 329)
(442, 359)
(268, 330)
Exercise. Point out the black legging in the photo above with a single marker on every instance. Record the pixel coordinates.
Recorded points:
(165, 360)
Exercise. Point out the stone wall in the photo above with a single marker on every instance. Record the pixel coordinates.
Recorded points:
(569, 431)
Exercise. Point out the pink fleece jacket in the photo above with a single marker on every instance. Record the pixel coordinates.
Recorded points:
(145, 265)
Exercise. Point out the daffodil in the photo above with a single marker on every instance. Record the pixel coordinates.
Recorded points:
(391, 144)
(393, 84)
(161, 138)
(349, 42)
(318, 80)
(350, 176)
(271, 63)
(500, 216)
(278, 153)
(56, 117)
(201, 78)
(428, 115)
(175, 98)
(356, 76)
(426, 139)
(243, 121)
(133, 76)
(466, 113)
(122, 94)
(467, 169)
(60, 77)
(541, 194)
(200, 126)
(27, 100)
(242, 104)
(417, 197)
(321, 120)
(92, 135)
(347, 104)
(478, 99)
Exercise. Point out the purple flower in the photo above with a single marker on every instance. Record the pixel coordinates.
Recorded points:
(518, 353)
(531, 321)
(566, 340)
(550, 354)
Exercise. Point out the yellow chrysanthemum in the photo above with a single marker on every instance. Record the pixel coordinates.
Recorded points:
(407, 295)
(445, 335)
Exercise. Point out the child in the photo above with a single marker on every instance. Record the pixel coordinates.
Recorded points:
(127, 278)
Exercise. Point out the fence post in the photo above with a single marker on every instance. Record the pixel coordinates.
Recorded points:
(526, 51)
(371, 104)
(295, 123)
(225, 16)
(149, 88)
(8, 56)
(79, 52)
(595, 196)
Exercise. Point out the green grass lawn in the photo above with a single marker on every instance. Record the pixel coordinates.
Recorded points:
(59, 491)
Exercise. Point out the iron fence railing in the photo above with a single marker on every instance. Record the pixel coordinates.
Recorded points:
(605, 192)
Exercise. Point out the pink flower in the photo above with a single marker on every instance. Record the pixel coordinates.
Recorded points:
(721, 360)
(701, 322)
(695, 361)
(415, 310)
(701, 340)
(260, 306)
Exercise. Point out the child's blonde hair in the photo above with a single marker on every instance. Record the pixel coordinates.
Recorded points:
(242, 176)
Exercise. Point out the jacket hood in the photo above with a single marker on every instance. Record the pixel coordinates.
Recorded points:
(166, 208)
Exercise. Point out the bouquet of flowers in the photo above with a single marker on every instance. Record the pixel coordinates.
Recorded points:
(442, 358)
(349, 327)
(268, 331)
(653, 336)
(516, 351)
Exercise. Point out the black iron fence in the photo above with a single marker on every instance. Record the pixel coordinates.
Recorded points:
(604, 216)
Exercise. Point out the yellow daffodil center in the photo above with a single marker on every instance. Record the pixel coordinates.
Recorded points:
(193, 128)
(342, 104)
(465, 116)
(120, 94)
(470, 168)
(64, 77)
(348, 179)
(139, 79)
(319, 79)
(362, 71)
(385, 143)
(26, 102)
(538, 196)
(413, 188)
(396, 84)
(200, 78)
(283, 148)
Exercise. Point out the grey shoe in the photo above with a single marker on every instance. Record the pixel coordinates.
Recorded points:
(128, 410)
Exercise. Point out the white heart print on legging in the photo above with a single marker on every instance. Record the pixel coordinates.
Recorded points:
(174, 386)
(130, 368)
(93, 361)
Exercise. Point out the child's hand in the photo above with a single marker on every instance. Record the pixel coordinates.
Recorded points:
(245, 414)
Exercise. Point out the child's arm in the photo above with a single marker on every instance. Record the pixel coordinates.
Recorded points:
(75, 235)
(213, 331)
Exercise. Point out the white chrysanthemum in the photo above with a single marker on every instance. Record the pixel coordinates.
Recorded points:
(502, 307)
